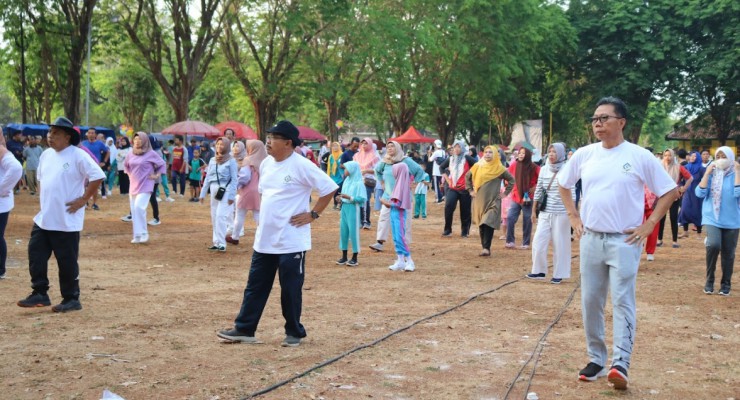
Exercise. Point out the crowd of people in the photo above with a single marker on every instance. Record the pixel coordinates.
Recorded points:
(613, 196)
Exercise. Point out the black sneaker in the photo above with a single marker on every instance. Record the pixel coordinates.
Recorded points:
(592, 372)
(214, 248)
(540, 276)
(234, 335)
(95, 207)
(708, 290)
(352, 263)
(342, 261)
(291, 341)
(618, 377)
(67, 305)
(35, 299)
(724, 292)
(556, 281)
(446, 234)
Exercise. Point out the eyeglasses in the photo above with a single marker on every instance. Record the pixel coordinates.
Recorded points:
(603, 118)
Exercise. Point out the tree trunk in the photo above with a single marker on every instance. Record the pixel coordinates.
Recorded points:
(265, 115)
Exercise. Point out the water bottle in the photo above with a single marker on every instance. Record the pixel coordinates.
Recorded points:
(527, 201)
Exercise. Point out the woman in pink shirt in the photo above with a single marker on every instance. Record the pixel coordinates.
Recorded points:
(247, 187)
(143, 167)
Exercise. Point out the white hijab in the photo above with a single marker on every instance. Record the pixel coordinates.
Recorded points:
(718, 178)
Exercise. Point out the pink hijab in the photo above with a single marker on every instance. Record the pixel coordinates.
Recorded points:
(366, 159)
(402, 189)
(256, 153)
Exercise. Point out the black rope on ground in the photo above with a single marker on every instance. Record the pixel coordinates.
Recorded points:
(540, 345)
(373, 343)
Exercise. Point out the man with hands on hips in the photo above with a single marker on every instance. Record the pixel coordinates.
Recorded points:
(283, 235)
(611, 232)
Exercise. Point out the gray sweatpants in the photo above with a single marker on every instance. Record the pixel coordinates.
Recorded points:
(724, 242)
(607, 262)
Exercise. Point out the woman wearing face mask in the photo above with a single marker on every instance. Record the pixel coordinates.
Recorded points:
(458, 164)
(483, 182)
(554, 224)
(221, 173)
(720, 189)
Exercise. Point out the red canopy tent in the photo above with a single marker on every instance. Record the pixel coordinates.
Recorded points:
(307, 133)
(412, 136)
(241, 131)
(196, 128)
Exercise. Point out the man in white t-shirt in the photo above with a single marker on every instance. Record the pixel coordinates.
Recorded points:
(436, 159)
(613, 173)
(62, 172)
(283, 235)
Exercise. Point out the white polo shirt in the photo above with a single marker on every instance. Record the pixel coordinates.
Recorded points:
(286, 188)
(62, 177)
(612, 183)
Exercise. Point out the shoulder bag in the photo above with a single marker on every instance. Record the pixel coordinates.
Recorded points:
(542, 200)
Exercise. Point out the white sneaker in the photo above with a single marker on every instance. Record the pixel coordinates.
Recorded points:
(105, 197)
(144, 238)
(126, 218)
(2, 276)
(397, 266)
(376, 246)
(410, 267)
(154, 222)
(159, 199)
(650, 257)
(169, 199)
(136, 239)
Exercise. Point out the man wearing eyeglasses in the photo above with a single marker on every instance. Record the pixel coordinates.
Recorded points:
(283, 235)
(611, 231)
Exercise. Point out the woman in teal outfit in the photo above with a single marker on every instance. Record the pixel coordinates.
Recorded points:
(353, 196)
(332, 167)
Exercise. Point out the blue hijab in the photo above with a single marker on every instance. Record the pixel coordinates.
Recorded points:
(353, 184)
(695, 168)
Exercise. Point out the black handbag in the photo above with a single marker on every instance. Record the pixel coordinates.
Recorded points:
(221, 190)
(542, 200)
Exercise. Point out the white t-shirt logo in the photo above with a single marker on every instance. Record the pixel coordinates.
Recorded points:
(627, 167)
(287, 180)
(65, 166)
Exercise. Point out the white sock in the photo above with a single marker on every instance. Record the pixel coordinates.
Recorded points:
(400, 259)
(409, 260)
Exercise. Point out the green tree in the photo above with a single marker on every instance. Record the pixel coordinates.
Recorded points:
(711, 78)
(628, 49)
(177, 51)
(130, 89)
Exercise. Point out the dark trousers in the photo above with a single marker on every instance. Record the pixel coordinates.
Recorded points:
(451, 199)
(514, 210)
(686, 228)
(365, 209)
(673, 212)
(123, 182)
(154, 203)
(720, 241)
(3, 246)
(66, 248)
(486, 236)
(183, 178)
(291, 272)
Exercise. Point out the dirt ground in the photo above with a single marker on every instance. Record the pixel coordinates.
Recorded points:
(147, 330)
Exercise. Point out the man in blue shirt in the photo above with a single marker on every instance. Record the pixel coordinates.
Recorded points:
(101, 153)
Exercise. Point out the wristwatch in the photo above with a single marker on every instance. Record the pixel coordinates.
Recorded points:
(314, 214)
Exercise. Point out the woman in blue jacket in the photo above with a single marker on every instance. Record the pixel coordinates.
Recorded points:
(720, 189)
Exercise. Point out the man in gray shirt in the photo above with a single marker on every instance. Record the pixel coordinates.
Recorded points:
(31, 154)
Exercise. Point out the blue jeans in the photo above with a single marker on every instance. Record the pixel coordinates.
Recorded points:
(378, 195)
(291, 272)
(514, 210)
(183, 178)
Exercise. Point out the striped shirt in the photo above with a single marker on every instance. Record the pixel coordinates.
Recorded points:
(554, 202)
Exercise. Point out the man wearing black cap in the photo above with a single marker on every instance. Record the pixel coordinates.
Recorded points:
(283, 235)
(62, 171)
